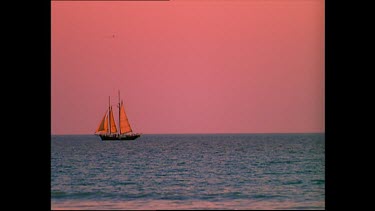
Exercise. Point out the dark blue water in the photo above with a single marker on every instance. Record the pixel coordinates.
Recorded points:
(236, 171)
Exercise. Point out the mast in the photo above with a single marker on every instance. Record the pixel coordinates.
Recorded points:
(109, 113)
(119, 122)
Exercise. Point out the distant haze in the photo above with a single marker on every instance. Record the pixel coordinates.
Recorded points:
(189, 66)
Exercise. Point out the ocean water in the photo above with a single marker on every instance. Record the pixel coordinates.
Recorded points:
(202, 171)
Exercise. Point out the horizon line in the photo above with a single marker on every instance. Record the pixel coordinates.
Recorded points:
(259, 133)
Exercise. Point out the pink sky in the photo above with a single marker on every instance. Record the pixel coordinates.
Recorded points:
(189, 66)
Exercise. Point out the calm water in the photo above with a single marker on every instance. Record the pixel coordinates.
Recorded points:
(238, 171)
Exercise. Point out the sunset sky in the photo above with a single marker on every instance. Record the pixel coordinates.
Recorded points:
(188, 66)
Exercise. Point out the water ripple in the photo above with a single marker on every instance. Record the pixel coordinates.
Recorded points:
(236, 171)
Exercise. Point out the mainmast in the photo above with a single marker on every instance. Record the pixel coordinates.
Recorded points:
(109, 113)
(119, 107)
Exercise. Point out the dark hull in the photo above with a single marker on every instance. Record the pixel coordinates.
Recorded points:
(119, 138)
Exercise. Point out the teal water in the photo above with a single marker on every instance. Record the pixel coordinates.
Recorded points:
(226, 171)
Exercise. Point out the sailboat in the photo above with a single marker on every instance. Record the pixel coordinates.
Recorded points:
(107, 129)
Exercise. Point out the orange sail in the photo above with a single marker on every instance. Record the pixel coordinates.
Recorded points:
(124, 122)
(103, 126)
(112, 121)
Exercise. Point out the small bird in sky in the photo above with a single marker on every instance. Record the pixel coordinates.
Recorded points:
(110, 36)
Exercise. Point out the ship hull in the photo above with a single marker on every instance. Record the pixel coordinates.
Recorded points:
(119, 138)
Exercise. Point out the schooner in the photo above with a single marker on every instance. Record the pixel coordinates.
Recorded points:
(107, 129)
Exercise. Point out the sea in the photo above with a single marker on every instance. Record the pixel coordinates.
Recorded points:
(189, 171)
